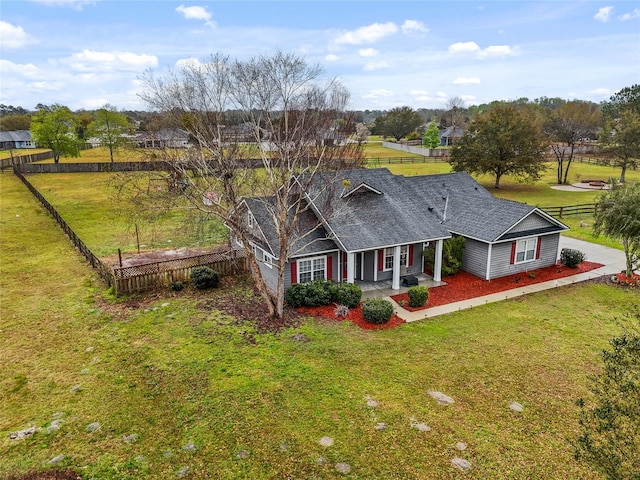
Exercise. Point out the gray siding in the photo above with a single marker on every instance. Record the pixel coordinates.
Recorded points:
(334, 269)
(474, 259)
(501, 257)
(270, 276)
(532, 222)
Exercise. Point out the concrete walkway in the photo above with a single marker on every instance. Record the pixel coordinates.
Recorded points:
(613, 262)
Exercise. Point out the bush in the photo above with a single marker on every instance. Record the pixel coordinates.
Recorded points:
(418, 296)
(341, 311)
(177, 286)
(348, 294)
(452, 252)
(204, 278)
(377, 310)
(312, 294)
(571, 258)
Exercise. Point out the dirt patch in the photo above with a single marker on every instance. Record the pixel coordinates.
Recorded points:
(132, 259)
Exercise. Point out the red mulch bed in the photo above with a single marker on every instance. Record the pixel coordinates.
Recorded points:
(355, 317)
(463, 285)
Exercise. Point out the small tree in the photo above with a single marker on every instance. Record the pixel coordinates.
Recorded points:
(610, 423)
(110, 128)
(55, 128)
(431, 137)
(618, 216)
(620, 141)
(567, 125)
(362, 133)
(502, 141)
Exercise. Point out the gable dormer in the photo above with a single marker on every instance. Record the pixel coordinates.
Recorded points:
(361, 188)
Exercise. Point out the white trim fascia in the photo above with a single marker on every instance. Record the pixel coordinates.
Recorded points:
(324, 223)
(303, 255)
(361, 185)
(547, 217)
(264, 237)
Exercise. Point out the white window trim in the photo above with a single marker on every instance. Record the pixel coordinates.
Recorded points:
(404, 249)
(521, 247)
(311, 259)
(268, 260)
(250, 220)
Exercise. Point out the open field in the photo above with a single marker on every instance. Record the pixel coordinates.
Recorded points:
(174, 371)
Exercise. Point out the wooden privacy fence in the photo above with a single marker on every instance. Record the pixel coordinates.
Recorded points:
(25, 159)
(147, 276)
(567, 210)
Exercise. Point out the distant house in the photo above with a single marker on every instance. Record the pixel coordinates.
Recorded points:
(16, 139)
(164, 138)
(375, 225)
(450, 135)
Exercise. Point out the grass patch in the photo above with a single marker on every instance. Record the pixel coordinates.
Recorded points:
(173, 373)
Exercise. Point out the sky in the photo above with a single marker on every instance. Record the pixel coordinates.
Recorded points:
(88, 53)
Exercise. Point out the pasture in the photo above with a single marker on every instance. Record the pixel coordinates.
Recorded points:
(174, 386)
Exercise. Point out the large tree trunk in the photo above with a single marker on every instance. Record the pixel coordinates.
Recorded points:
(569, 160)
(497, 184)
(262, 288)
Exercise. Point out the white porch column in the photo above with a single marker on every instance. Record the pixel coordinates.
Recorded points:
(351, 264)
(437, 265)
(375, 265)
(395, 283)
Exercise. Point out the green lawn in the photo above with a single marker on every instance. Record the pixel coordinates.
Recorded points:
(174, 371)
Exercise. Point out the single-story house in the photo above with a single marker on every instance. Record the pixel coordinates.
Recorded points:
(450, 135)
(164, 138)
(16, 139)
(371, 225)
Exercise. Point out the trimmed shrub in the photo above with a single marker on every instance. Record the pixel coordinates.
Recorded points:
(312, 294)
(348, 294)
(571, 258)
(294, 296)
(319, 293)
(377, 310)
(418, 296)
(177, 286)
(204, 278)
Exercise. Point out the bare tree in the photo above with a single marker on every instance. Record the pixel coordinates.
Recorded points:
(288, 128)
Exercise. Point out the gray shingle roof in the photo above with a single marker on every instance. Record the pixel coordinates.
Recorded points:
(15, 136)
(376, 209)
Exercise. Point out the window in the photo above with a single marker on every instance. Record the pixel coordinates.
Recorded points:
(311, 269)
(250, 220)
(388, 257)
(526, 250)
(268, 260)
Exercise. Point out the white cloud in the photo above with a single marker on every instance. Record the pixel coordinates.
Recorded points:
(464, 47)
(603, 14)
(376, 66)
(379, 93)
(14, 36)
(473, 47)
(91, 61)
(331, 58)
(188, 63)
(369, 34)
(599, 92)
(196, 13)
(368, 52)
(497, 51)
(466, 81)
(635, 13)
(410, 26)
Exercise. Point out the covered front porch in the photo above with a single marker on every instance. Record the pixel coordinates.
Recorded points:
(387, 265)
(383, 288)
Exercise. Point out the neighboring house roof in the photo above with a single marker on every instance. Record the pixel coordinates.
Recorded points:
(15, 136)
(452, 132)
(367, 209)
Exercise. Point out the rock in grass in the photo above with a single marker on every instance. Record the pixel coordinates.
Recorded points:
(131, 438)
(461, 446)
(343, 467)
(242, 454)
(441, 397)
(461, 463)
(380, 426)
(516, 407)
(92, 427)
(183, 472)
(56, 459)
(326, 441)
(190, 447)
(20, 434)
(54, 426)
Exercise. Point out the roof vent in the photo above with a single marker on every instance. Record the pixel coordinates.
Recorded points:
(430, 209)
